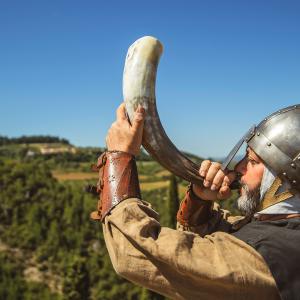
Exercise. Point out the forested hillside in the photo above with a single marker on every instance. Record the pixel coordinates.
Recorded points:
(49, 247)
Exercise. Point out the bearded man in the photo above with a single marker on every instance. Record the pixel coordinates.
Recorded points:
(211, 255)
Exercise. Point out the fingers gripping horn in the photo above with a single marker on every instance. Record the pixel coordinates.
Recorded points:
(139, 88)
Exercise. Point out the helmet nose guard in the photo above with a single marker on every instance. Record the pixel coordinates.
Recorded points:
(249, 134)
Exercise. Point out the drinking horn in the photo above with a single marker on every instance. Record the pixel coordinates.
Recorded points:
(139, 88)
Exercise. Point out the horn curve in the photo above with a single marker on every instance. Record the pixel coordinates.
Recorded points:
(139, 88)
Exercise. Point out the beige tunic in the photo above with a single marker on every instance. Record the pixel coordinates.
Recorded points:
(181, 264)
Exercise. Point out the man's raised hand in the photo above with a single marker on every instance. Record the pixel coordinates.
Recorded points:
(125, 137)
(216, 182)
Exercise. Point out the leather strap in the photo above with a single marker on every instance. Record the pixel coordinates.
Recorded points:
(193, 211)
(118, 180)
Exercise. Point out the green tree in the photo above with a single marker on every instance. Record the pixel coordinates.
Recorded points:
(76, 279)
(172, 201)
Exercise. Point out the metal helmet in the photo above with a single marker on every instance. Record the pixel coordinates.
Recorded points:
(276, 140)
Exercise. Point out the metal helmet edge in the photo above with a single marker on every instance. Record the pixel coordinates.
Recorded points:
(277, 141)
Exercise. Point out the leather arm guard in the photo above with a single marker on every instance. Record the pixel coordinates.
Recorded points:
(193, 211)
(118, 180)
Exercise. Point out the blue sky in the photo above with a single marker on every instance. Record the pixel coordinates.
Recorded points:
(226, 65)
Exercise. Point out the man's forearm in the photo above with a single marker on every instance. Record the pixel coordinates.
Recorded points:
(202, 216)
(194, 211)
(118, 180)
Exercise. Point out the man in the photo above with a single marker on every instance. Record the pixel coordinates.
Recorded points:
(211, 255)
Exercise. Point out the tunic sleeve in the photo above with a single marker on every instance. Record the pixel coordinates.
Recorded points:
(181, 264)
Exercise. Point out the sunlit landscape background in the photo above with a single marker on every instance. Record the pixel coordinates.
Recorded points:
(226, 65)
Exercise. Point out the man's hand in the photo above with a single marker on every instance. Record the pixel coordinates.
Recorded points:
(125, 137)
(216, 182)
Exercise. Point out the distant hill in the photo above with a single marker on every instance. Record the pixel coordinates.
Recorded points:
(32, 139)
(53, 145)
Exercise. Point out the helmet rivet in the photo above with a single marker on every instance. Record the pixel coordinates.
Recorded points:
(269, 144)
(284, 174)
(293, 165)
(294, 181)
(298, 157)
(258, 134)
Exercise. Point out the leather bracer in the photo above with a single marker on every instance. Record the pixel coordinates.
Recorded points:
(193, 211)
(118, 180)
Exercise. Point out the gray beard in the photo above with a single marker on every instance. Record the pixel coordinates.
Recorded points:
(248, 202)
